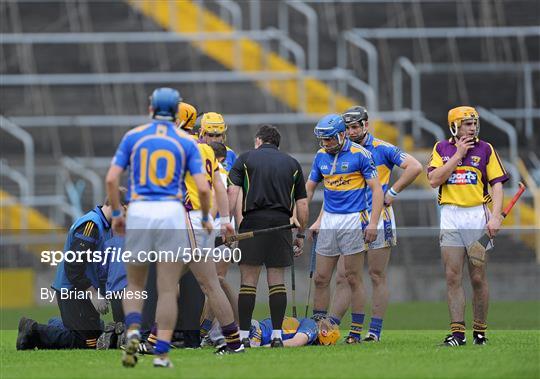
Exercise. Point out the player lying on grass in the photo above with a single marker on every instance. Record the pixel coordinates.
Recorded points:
(296, 332)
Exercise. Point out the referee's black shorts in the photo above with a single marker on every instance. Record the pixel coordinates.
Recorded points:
(273, 249)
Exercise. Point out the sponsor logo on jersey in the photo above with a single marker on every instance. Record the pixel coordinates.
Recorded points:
(462, 176)
(475, 160)
(338, 182)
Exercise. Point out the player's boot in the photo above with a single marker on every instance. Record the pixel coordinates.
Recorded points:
(26, 333)
(225, 350)
(479, 339)
(163, 362)
(276, 342)
(350, 340)
(245, 342)
(206, 342)
(453, 341)
(129, 356)
(145, 347)
(371, 337)
(105, 340)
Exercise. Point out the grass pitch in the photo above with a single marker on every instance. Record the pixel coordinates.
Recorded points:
(513, 352)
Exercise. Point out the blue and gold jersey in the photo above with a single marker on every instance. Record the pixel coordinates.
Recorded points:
(344, 175)
(385, 156)
(229, 160)
(290, 327)
(158, 156)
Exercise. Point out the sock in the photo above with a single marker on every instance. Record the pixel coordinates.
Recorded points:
(246, 304)
(278, 304)
(162, 347)
(231, 334)
(206, 325)
(276, 333)
(133, 320)
(357, 322)
(244, 334)
(375, 326)
(458, 329)
(319, 313)
(335, 320)
(479, 328)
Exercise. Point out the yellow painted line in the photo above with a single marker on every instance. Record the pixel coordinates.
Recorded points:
(191, 18)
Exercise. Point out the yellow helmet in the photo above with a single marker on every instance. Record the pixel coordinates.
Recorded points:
(457, 115)
(213, 122)
(187, 114)
(328, 331)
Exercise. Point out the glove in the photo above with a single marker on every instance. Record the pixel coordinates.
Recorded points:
(101, 305)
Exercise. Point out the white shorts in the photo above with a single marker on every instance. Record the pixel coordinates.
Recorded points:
(342, 233)
(201, 238)
(386, 230)
(461, 226)
(156, 226)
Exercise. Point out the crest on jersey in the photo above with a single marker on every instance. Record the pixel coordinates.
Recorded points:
(344, 165)
(475, 160)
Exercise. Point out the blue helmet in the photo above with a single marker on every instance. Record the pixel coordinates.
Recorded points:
(330, 126)
(164, 102)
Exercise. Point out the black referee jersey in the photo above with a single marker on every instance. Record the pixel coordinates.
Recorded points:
(270, 179)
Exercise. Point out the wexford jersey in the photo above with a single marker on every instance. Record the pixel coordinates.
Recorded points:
(290, 327)
(158, 156)
(210, 164)
(344, 175)
(386, 156)
(467, 186)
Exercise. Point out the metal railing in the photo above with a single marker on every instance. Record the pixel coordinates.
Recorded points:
(29, 152)
(312, 28)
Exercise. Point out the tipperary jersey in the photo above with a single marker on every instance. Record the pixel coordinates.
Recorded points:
(385, 157)
(262, 334)
(229, 160)
(210, 164)
(344, 175)
(467, 186)
(158, 156)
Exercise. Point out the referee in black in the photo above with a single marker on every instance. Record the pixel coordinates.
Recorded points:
(272, 184)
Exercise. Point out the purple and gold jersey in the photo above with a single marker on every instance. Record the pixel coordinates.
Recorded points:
(344, 175)
(467, 186)
(158, 156)
(386, 156)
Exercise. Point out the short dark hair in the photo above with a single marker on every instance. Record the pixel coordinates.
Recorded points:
(219, 149)
(269, 134)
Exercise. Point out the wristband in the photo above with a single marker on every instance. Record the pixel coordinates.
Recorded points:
(392, 193)
(116, 213)
(300, 236)
(205, 218)
(225, 220)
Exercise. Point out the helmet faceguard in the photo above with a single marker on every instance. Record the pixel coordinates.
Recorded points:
(458, 115)
(356, 116)
(331, 127)
(328, 331)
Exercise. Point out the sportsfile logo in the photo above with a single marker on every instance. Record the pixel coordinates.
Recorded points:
(463, 177)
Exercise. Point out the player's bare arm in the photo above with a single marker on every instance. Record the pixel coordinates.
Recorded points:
(370, 234)
(411, 169)
(494, 223)
(205, 195)
(302, 216)
(441, 174)
(112, 183)
(223, 206)
(233, 193)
